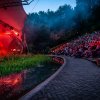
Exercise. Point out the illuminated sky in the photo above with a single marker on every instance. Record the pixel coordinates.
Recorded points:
(44, 5)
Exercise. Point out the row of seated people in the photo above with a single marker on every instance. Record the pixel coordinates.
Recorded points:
(87, 46)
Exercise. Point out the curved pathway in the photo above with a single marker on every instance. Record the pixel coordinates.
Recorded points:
(79, 80)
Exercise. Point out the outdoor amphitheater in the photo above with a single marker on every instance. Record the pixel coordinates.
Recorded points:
(49, 55)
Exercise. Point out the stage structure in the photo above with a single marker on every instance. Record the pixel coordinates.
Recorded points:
(12, 18)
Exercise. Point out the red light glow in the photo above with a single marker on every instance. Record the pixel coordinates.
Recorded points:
(6, 44)
(11, 81)
(58, 60)
(15, 32)
(3, 51)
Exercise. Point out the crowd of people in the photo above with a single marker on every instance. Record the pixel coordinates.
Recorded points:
(87, 46)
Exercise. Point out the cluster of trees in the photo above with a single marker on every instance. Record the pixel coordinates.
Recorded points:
(39, 27)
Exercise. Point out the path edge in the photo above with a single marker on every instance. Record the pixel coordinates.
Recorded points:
(39, 87)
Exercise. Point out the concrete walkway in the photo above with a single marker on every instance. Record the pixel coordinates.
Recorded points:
(79, 80)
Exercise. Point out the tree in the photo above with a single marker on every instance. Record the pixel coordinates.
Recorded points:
(85, 17)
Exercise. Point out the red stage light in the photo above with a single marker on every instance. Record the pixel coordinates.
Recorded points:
(15, 32)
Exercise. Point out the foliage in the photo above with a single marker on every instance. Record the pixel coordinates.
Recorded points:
(39, 27)
(19, 63)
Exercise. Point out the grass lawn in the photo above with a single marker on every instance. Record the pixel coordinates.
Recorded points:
(39, 67)
(16, 64)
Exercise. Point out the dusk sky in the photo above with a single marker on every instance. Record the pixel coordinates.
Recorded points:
(44, 5)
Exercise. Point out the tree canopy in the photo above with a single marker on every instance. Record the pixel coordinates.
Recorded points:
(41, 27)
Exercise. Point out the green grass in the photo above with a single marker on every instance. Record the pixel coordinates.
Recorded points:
(15, 64)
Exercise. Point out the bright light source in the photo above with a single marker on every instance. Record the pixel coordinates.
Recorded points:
(15, 32)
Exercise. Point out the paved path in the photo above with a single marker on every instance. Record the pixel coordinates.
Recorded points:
(79, 80)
